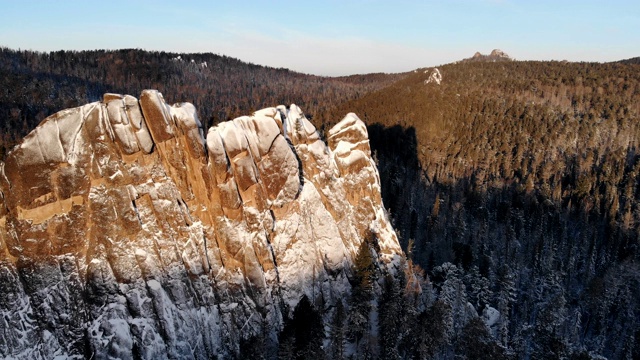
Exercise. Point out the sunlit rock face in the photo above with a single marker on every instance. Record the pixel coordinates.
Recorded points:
(128, 231)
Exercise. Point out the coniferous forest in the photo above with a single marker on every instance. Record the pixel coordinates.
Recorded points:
(513, 186)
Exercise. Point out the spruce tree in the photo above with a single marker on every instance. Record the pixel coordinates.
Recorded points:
(476, 342)
(303, 334)
(361, 293)
(428, 336)
(387, 322)
(337, 332)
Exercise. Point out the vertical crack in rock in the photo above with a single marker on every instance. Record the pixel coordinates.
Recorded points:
(273, 256)
(293, 149)
(206, 252)
(83, 116)
(135, 208)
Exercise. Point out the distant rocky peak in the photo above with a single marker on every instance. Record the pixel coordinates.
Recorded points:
(499, 53)
(495, 55)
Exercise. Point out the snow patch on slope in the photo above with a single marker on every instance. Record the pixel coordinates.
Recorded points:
(434, 77)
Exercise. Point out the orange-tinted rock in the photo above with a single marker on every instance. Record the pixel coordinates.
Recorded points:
(157, 115)
(127, 203)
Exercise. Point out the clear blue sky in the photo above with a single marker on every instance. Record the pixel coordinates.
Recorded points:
(333, 37)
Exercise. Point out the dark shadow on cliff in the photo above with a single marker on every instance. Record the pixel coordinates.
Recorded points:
(395, 151)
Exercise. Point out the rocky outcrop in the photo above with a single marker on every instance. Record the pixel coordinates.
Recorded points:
(435, 76)
(126, 232)
(496, 55)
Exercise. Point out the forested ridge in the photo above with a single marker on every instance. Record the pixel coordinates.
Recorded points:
(513, 186)
(519, 181)
(35, 84)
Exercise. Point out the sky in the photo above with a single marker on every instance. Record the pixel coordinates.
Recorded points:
(330, 37)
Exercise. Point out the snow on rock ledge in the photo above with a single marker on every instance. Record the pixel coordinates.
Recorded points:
(124, 230)
(434, 77)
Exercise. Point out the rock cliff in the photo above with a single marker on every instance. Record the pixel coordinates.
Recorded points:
(126, 231)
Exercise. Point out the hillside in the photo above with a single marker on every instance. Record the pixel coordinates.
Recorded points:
(35, 85)
(522, 176)
(635, 60)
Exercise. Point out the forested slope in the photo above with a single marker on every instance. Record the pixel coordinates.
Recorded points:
(520, 181)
